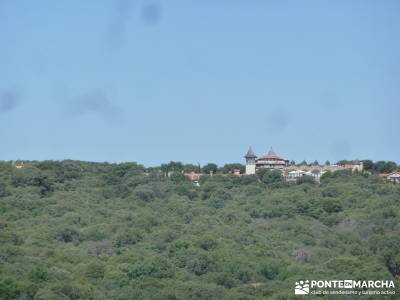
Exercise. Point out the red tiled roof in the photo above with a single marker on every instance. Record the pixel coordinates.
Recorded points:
(271, 155)
(193, 176)
(383, 174)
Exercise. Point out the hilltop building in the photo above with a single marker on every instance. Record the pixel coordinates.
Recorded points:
(354, 165)
(250, 162)
(268, 161)
(394, 177)
(297, 173)
(194, 177)
(271, 161)
(292, 172)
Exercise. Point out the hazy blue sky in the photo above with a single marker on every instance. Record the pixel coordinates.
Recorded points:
(199, 81)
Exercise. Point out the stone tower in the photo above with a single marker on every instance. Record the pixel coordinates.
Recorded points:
(250, 162)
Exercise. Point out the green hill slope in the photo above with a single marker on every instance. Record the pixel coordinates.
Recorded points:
(78, 230)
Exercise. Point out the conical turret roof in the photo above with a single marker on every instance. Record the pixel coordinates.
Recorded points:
(250, 153)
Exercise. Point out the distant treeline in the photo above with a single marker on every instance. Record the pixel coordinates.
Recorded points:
(176, 166)
(369, 165)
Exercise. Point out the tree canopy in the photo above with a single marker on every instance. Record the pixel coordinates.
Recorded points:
(82, 230)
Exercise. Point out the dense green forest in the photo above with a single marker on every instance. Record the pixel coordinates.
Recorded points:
(81, 230)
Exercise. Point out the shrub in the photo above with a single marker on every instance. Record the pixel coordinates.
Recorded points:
(144, 193)
(306, 179)
(67, 235)
(100, 248)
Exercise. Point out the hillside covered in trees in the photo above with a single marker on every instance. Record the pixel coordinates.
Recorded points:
(80, 230)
